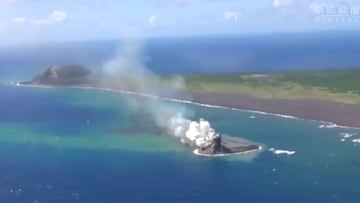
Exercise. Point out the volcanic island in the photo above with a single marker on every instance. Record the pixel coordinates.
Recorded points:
(199, 136)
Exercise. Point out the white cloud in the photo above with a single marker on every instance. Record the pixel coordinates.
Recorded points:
(232, 16)
(152, 20)
(176, 2)
(55, 17)
(15, 1)
(58, 16)
(184, 2)
(19, 20)
(8, 1)
(297, 6)
(283, 3)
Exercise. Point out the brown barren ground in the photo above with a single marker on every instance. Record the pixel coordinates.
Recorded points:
(322, 110)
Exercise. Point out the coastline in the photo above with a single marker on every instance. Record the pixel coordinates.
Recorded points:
(196, 152)
(330, 114)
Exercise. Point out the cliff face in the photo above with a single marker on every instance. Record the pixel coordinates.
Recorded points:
(63, 75)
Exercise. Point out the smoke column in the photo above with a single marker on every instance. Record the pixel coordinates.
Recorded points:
(127, 71)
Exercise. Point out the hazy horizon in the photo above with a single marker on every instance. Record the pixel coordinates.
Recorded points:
(30, 21)
(183, 55)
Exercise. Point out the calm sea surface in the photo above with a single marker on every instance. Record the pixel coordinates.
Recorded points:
(69, 146)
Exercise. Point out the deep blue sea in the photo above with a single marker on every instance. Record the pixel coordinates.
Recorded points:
(89, 146)
(61, 145)
(202, 54)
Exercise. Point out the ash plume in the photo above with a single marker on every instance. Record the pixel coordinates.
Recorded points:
(128, 72)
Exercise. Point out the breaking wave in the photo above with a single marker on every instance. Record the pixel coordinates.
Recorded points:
(357, 141)
(280, 151)
(325, 124)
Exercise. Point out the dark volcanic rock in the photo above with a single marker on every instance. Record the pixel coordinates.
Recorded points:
(214, 147)
(224, 144)
(63, 75)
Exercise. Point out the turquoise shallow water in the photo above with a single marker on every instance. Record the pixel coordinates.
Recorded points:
(67, 145)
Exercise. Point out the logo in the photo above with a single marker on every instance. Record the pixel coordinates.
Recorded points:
(337, 13)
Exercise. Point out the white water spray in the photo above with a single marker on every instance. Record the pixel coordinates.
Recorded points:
(199, 134)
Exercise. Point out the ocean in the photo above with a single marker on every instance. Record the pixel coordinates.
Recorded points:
(69, 145)
(202, 54)
(61, 145)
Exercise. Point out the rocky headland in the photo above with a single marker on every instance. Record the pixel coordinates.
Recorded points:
(65, 75)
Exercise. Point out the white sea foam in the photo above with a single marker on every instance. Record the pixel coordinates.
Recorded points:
(324, 125)
(286, 116)
(347, 135)
(284, 152)
(30, 85)
(280, 151)
(356, 141)
(196, 152)
(330, 125)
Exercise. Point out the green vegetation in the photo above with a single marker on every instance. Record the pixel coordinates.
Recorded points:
(338, 85)
(335, 80)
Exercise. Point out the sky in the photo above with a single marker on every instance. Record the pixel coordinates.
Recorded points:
(27, 21)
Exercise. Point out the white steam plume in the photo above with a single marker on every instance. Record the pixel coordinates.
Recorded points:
(128, 72)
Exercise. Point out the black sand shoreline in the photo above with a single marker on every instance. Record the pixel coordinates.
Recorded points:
(308, 109)
(347, 115)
